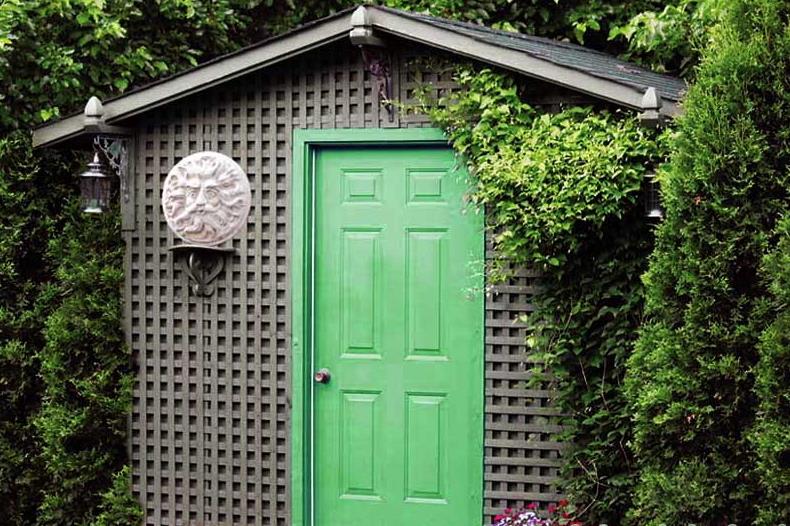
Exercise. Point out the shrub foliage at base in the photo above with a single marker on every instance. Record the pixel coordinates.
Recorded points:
(716, 314)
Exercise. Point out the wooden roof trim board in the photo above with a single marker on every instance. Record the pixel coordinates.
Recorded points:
(381, 20)
(201, 78)
(564, 54)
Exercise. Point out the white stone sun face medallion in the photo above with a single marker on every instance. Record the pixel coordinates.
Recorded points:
(206, 198)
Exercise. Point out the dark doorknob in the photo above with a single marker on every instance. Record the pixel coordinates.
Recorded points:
(322, 376)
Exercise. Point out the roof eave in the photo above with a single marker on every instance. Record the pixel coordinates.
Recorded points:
(199, 79)
(70, 130)
(517, 61)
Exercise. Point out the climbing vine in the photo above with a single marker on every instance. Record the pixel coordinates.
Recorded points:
(562, 193)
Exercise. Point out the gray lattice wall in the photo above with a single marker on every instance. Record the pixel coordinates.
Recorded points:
(210, 427)
(521, 457)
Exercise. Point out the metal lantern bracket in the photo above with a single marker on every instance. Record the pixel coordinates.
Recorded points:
(113, 145)
(114, 151)
(202, 264)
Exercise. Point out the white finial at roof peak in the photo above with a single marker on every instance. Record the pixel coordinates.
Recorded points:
(360, 17)
(362, 33)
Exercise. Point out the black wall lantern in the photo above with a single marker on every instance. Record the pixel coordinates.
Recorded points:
(110, 162)
(96, 188)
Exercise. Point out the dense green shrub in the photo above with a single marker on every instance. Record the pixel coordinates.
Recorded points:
(669, 39)
(561, 193)
(84, 369)
(54, 54)
(585, 21)
(30, 208)
(691, 379)
(64, 376)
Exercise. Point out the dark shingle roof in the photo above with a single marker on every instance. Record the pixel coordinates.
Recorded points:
(563, 54)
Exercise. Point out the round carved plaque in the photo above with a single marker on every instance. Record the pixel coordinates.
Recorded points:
(206, 198)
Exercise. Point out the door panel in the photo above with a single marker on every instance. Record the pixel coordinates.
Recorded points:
(426, 448)
(360, 474)
(361, 298)
(398, 321)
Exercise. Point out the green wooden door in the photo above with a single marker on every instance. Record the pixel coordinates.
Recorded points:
(398, 314)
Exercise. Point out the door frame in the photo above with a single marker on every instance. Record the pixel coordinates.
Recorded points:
(305, 145)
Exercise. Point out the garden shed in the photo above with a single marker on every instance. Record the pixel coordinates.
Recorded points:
(304, 293)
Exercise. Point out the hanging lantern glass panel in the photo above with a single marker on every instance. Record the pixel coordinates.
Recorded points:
(652, 198)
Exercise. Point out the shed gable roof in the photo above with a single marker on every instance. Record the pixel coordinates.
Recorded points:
(565, 64)
(564, 54)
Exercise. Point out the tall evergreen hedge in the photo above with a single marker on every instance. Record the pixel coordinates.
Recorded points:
(708, 381)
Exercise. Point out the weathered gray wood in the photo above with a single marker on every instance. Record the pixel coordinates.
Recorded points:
(244, 250)
(127, 206)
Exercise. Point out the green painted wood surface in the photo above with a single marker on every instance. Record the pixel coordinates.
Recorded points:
(398, 317)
